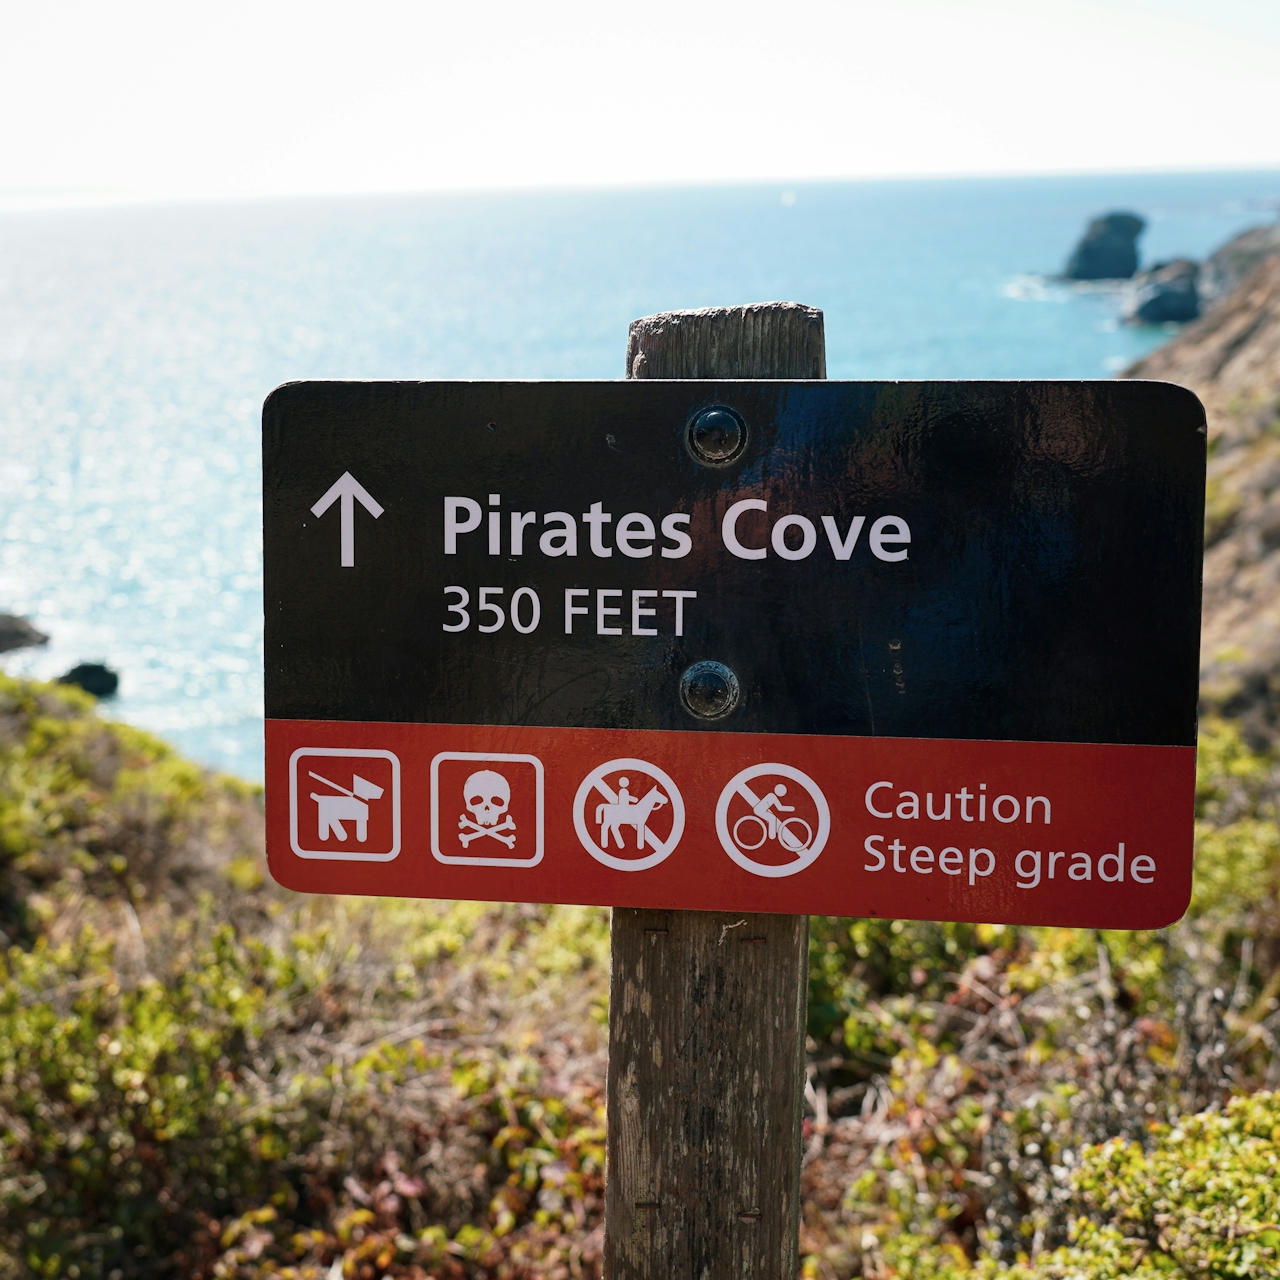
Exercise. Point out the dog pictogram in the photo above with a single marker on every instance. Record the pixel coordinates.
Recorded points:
(349, 806)
(353, 814)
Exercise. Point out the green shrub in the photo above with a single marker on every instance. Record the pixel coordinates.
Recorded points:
(126, 1116)
(201, 1075)
(1202, 1200)
(97, 811)
(251, 1108)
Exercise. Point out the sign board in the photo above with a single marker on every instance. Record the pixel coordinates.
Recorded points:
(924, 650)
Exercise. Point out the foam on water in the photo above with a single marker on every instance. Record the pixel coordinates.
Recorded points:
(137, 345)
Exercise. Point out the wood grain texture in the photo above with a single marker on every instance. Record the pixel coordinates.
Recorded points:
(707, 1010)
(760, 340)
(706, 1076)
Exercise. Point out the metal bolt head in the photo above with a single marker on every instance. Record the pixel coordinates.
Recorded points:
(709, 690)
(716, 436)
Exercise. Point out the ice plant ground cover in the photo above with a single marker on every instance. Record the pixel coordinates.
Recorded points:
(202, 1075)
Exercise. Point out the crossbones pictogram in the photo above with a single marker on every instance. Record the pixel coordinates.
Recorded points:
(476, 831)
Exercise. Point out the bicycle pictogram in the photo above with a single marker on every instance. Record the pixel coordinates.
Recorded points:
(763, 823)
(786, 822)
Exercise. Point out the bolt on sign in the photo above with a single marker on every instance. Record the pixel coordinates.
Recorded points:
(925, 650)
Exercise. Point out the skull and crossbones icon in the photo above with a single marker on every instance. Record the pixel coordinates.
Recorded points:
(487, 796)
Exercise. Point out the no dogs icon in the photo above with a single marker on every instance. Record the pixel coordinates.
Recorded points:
(344, 804)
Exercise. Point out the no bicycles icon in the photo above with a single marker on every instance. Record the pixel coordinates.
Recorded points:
(783, 817)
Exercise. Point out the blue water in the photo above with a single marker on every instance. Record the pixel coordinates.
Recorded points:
(137, 344)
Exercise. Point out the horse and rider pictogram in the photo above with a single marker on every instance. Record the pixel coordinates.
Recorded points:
(628, 811)
(628, 798)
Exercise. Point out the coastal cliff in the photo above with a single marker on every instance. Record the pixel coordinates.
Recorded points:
(1231, 359)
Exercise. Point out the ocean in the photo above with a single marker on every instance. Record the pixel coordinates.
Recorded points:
(137, 344)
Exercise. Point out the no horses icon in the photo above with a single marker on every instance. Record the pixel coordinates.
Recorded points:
(622, 806)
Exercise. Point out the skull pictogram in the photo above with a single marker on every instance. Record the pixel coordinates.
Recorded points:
(487, 795)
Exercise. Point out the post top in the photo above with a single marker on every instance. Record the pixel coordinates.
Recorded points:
(757, 340)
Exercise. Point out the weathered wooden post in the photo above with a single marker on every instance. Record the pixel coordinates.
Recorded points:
(707, 1009)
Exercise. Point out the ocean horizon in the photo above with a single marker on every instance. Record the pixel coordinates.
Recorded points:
(138, 342)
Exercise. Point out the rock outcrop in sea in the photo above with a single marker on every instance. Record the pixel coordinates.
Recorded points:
(1167, 293)
(18, 633)
(1108, 250)
(93, 678)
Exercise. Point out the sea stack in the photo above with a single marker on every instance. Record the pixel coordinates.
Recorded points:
(18, 633)
(94, 678)
(1108, 250)
(1166, 293)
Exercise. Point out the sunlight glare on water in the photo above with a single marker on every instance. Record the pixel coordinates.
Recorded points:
(137, 345)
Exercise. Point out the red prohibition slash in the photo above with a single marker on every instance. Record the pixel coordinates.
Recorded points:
(1070, 834)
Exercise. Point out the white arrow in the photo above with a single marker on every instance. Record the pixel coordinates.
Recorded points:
(348, 487)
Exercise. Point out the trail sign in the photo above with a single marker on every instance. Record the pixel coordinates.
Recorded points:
(926, 650)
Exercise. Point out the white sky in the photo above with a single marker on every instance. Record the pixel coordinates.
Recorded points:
(251, 97)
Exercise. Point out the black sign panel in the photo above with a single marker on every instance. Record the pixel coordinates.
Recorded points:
(1002, 560)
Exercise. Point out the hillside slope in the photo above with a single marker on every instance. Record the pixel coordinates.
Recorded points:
(1231, 359)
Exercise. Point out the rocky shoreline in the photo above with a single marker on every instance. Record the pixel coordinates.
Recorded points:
(1173, 292)
(93, 677)
(1228, 353)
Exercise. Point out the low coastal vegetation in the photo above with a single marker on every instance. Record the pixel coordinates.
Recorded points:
(202, 1075)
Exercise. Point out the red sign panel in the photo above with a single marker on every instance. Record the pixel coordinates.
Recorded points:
(939, 829)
